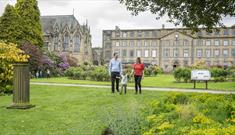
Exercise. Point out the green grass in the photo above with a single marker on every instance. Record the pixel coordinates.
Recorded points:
(70, 110)
(167, 81)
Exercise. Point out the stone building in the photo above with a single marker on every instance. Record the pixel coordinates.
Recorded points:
(97, 55)
(171, 48)
(64, 34)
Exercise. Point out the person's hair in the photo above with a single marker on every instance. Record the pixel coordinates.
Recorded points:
(115, 54)
(138, 60)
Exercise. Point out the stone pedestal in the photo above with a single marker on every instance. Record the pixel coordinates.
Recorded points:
(21, 94)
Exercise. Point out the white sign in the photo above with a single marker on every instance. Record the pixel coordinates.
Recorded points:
(200, 75)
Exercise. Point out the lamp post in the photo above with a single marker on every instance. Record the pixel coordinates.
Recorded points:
(21, 93)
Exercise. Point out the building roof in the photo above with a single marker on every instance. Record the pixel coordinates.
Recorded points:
(48, 22)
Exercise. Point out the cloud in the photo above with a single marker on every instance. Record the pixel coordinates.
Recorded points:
(102, 14)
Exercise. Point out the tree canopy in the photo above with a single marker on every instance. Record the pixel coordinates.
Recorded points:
(10, 27)
(30, 21)
(190, 13)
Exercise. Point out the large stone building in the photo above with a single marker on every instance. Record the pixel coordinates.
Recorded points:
(97, 55)
(171, 48)
(64, 34)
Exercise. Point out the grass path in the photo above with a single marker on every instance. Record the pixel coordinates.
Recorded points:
(161, 81)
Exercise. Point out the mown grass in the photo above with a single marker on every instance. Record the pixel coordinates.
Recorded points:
(70, 110)
(163, 80)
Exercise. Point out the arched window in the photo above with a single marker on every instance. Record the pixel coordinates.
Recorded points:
(77, 43)
(66, 42)
(56, 43)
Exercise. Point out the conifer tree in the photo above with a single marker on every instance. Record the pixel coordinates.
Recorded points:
(30, 21)
(10, 27)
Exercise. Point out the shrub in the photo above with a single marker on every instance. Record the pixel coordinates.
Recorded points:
(152, 70)
(219, 74)
(182, 74)
(9, 53)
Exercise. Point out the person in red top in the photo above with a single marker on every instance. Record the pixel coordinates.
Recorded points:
(138, 70)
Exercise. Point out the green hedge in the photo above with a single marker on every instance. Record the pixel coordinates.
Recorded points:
(88, 72)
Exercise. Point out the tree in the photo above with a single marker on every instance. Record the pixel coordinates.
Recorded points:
(10, 28)
(35, 54)
(190, 13)
(30, 21)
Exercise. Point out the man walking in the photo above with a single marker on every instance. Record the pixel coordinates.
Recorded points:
(115, 70)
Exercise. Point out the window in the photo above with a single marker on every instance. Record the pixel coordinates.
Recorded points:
(154, 53)
(139, 34)
(77, 43)
(225, 42)
(208, 42)
(226, 32)
(124, 34)
(234, 32)
(186, 42)
(154, 43)
(186, 53)
(117, 34)
(176, 53)
(132, 43)
(208, 53)
(146, 43)
(56, 43)
(117, 43)
(146, 53)
(166, 53)
(154, 33)
(124, 43)
(132, 34)
(200, 42)
(199, 33)
(216, 53)
(233, 42)
(139, 43)
(66, 42)
(217, 33)
(131, 53)
(146, 34)
(199, 53)
(124, 53)
(217, 42)
(138, 53)
(225, 53)
(233, 53)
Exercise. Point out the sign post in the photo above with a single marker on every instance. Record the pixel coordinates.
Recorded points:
(200, 75)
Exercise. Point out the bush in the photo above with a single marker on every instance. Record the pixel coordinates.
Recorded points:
(88, 72)
(152, 70)
(219, 74)
(190, 114)
(182, 74)
(9, 53)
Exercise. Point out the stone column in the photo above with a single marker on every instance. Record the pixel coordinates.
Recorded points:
(21, 94)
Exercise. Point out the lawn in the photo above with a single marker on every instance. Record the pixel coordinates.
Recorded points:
(167, 81)
(70, 110)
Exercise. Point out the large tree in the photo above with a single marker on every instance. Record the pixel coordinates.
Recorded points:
(190, 13)
(30, 21)
(10, 27)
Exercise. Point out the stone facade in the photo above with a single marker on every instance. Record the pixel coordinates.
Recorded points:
(97, 56)
(171, 48)
(64, 34)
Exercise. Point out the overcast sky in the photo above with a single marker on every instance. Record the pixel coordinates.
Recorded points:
(101, 14)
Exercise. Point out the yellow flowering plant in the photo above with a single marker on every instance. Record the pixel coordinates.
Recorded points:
(9, 54)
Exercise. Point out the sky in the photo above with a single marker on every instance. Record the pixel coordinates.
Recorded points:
(102, 15)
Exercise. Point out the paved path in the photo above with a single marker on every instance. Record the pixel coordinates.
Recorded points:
(144, 88)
